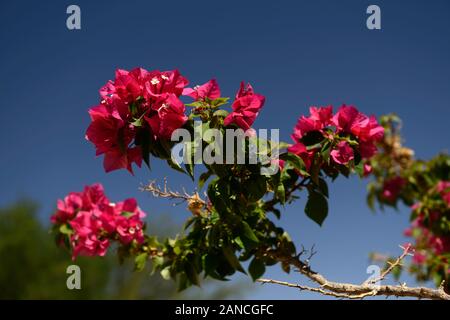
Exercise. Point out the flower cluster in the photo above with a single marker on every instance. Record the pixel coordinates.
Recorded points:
(135, 99)
(89, 221)
(142, 107)
(209, 90)
(245, 107)
(432, 238)
(348, 134)
(392, 189)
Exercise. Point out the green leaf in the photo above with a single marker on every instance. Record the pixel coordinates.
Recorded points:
(176, 166)
(127, 214)
(137, 122)
(219, 195)
(281, 145)
(192, 274)
(220, 101)
(65, 229)
(210, 263)
(312, 138)
(165, 273)
(326, 149)
(359, 168)
(195, 104)
(204, 177)
(220, 113)
(183, 282)
(286, 267)
(143, 139)
(296, 162)
(190, 169)
(140, 261)
(256, 187)
(189, 222)
(317, 206)
(239, 242)
(281, 193)
(232, 260)
(323, 187)
(256, 269)
(157, 262)
(248, 232)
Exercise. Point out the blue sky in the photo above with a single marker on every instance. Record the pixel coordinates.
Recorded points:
(296, 53)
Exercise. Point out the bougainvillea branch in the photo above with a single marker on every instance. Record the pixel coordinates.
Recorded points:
(352, 291)
(247, 178)
(424, 186)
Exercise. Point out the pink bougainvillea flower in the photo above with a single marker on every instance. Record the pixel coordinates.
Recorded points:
(130, 229)
(107, 130)
(408, 232)
(95, 222)
(86, 238)
(129, 221)
(319, 119)
(67, 208)
(300, 150)
(368, 132)
(367, 149)
(322, 114)
(419, 258)
(440, 245)
(89, 246)
(208, 90)
(367, 170)
(111, 136)
(367, 128)
(349, 120)
(392, 188)
(245, 108)
(443, 187)
(129, 85)
(126, 87)
(345, 117)
(125, 101)
(130, 206)
(116, 159)
(167, 116)
(343, 153)
(161, 84)
(94, 196)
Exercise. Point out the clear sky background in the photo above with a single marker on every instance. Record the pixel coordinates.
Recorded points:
(296, 53)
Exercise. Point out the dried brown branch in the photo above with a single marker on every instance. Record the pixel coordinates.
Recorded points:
(195, 203)
(397, 263)
(353, 291)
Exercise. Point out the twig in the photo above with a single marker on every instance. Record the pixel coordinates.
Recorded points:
(195, 203)
(316, 290)
(352, 291)
(392, 265)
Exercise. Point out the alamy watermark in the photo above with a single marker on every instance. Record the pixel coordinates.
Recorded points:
(74, 280)
(236, 147)
(73, 21)
(374, 20)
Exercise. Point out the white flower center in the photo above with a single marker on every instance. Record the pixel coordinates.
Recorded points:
(154, 81)
(163, 106)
